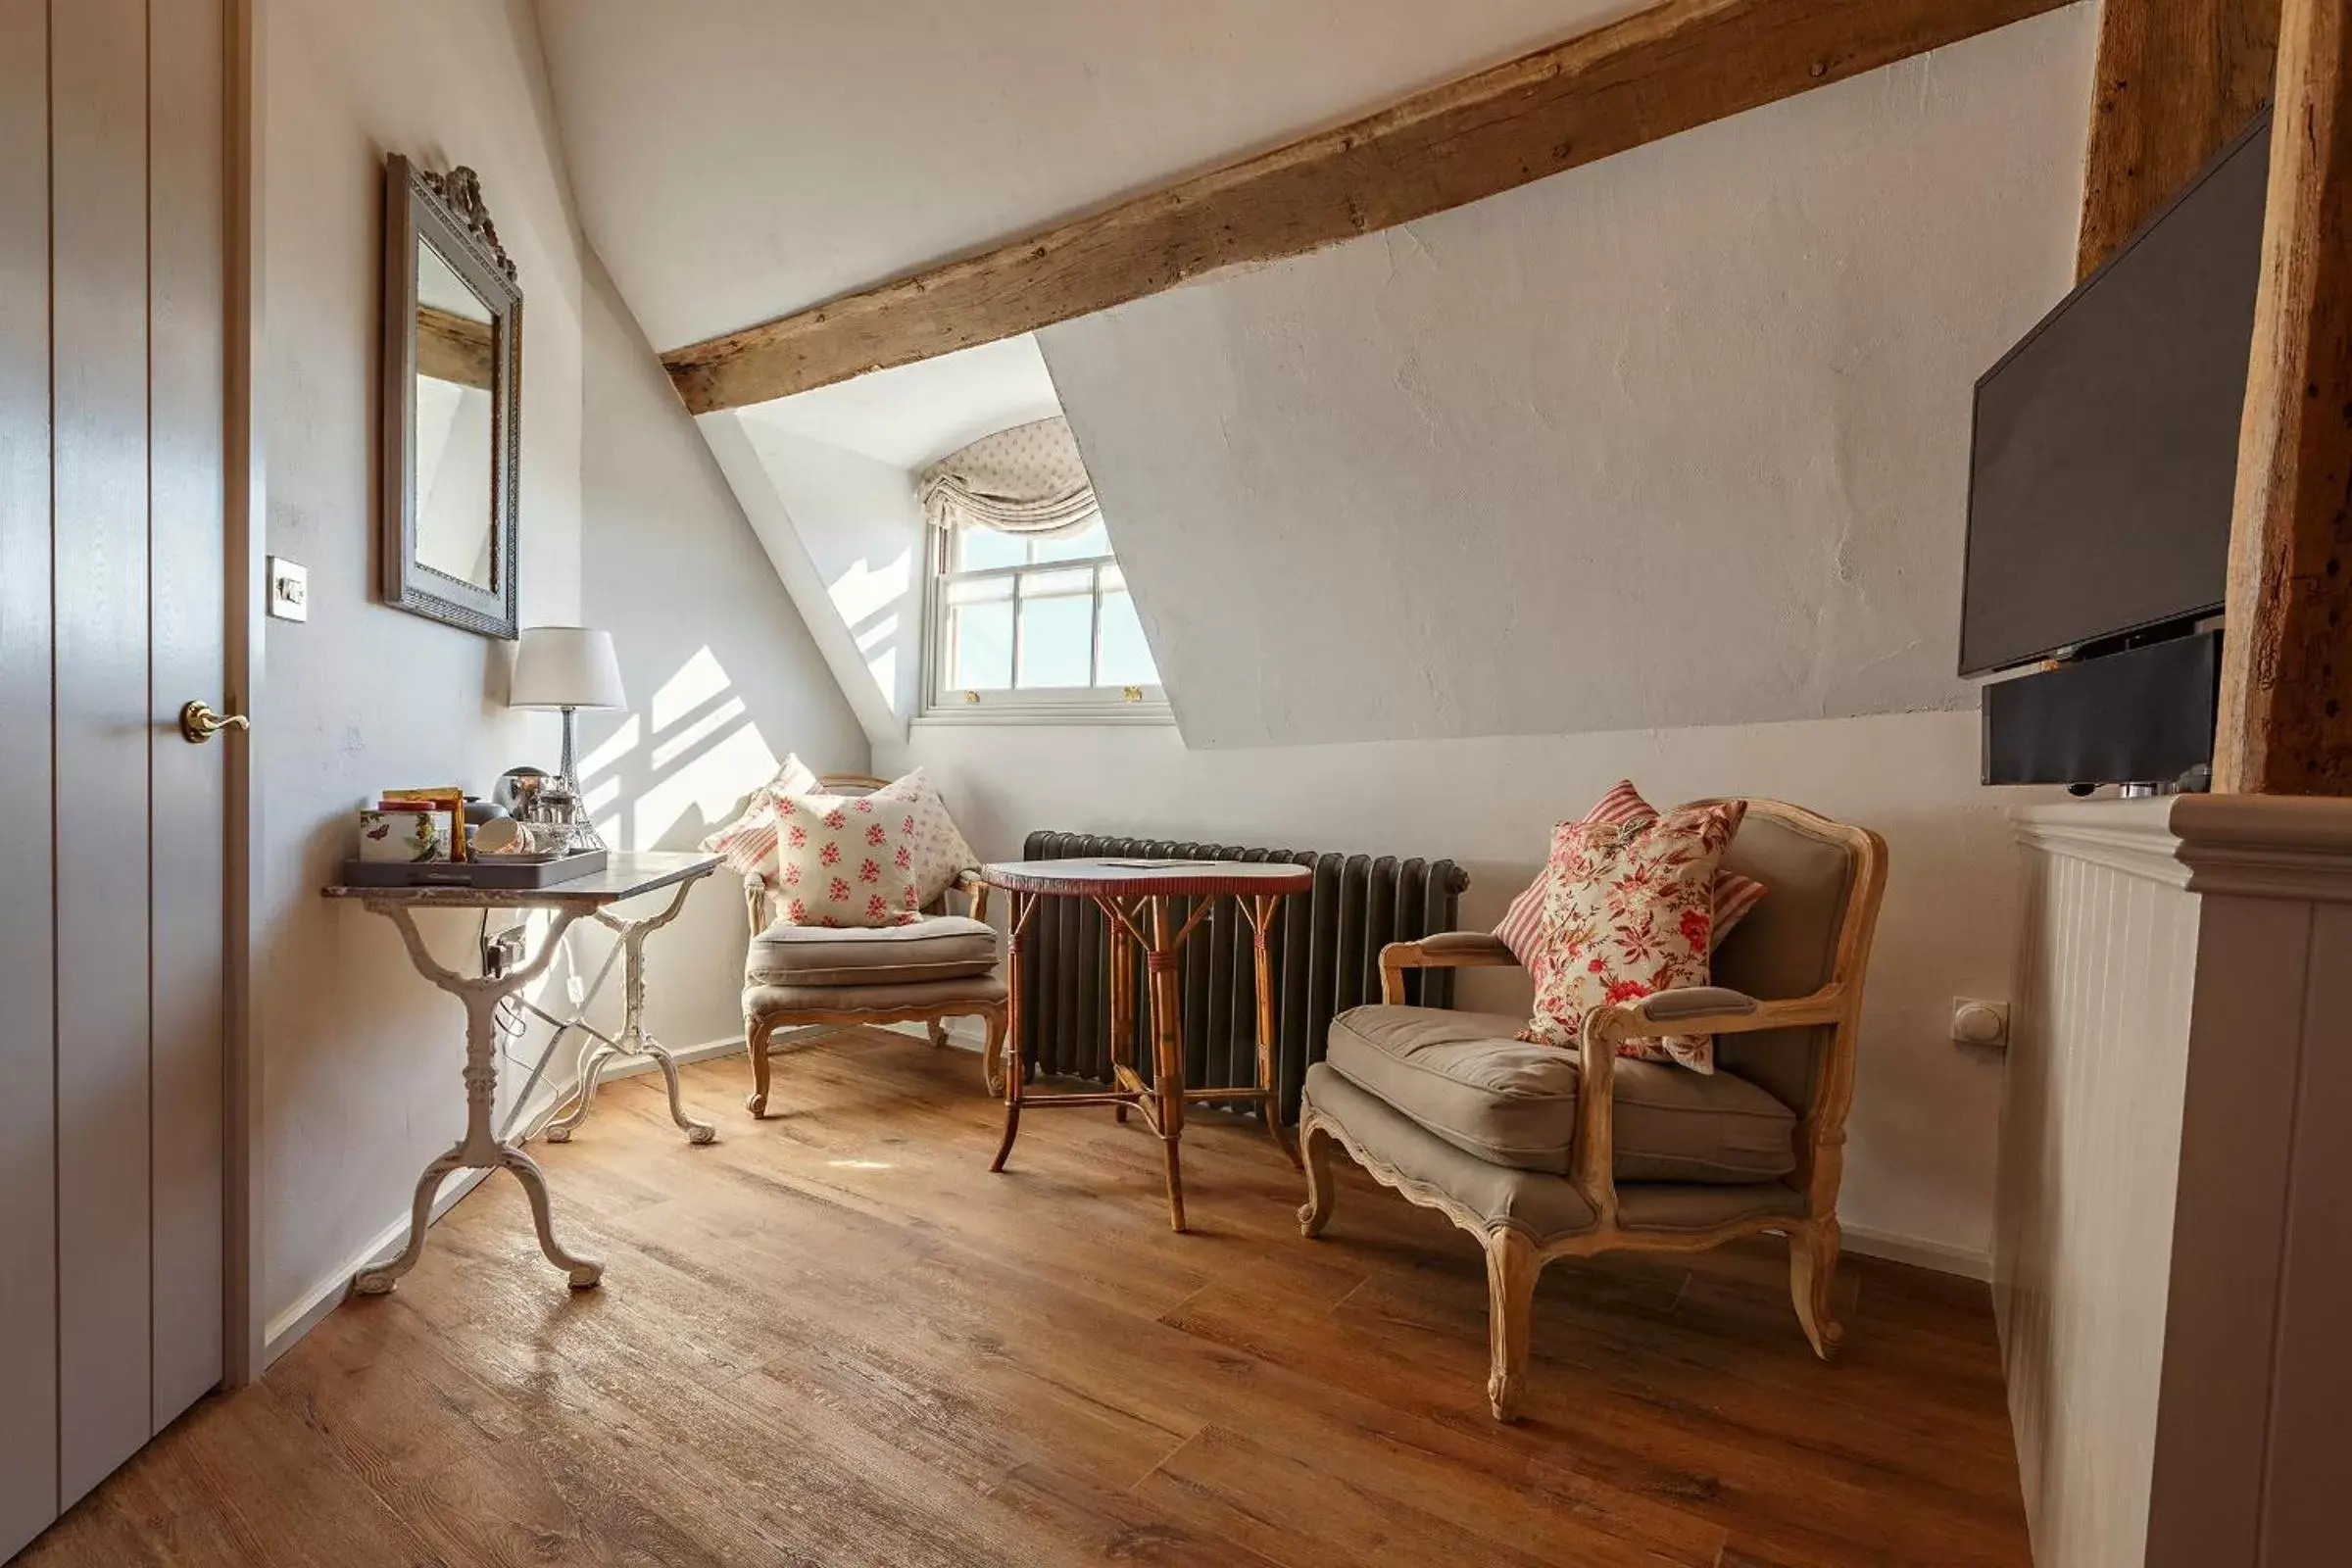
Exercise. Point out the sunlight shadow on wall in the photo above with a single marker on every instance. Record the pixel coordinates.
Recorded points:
(707, 761)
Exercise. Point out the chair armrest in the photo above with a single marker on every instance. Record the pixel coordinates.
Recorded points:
(1447, 949)
(755, 902)
(1688, 1010)
(1715, 1011)
(975, 891)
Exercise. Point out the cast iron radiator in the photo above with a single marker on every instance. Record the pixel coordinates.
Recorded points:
(1325, 948)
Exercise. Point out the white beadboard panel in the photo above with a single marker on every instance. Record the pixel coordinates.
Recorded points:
(2310, 1460)
(2217, 1369)
(2091, 1141)
(98, 173)
(28, 1036)
(187, 377)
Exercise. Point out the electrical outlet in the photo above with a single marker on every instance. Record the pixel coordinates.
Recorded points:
(502, 953)
(577, 988)
(1979, 1023)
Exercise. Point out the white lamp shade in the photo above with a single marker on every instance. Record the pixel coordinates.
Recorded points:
(564, 667)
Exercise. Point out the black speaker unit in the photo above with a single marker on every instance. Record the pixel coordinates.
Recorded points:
(2144, 716)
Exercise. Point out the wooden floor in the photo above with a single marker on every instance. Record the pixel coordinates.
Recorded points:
(833, 1337)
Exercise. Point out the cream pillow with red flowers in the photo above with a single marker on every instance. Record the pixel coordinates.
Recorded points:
(1628, 908)
(748, 842)
(939, 853)
(1521, 928)
(846, 860)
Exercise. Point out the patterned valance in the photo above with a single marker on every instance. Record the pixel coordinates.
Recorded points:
(1028, 479)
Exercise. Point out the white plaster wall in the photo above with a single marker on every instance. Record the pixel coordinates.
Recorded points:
(1920, 1163)
(721, 675)
(1677, 438)
(359, 1056)
(862, 528)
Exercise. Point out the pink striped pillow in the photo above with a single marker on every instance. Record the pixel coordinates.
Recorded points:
(1521, 927)
(748, 842)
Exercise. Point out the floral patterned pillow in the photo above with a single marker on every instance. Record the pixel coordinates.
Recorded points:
(846, 860)
(1522, 925)
(748, 842)
(939, 853)
(1628, 912)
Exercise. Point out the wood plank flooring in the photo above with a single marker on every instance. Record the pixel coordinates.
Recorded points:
(833, 1337)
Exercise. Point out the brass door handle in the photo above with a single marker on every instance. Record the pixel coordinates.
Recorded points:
(199, 723)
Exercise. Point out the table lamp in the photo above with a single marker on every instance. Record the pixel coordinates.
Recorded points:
(565, 667)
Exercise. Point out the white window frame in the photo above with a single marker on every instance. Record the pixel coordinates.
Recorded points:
(1064, 704)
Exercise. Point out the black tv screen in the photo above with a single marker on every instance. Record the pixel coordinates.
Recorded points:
(2106, 443)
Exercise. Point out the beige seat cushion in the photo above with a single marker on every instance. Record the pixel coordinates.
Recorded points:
(946, 947)
(945, 999)
(1464, 1077)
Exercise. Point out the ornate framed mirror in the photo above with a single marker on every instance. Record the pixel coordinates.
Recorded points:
(452, 409)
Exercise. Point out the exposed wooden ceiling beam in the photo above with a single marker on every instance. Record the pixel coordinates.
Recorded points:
(1676, 66)
(454, 348)
(2286, 663)
(2175, 80)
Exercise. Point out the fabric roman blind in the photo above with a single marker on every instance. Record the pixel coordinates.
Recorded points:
(1026, 480)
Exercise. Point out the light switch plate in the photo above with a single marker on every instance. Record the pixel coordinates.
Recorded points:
(289, 589)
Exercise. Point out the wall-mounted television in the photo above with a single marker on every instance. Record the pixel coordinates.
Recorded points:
(2105, 445)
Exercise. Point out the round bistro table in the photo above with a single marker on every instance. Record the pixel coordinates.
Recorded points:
(1135, 896)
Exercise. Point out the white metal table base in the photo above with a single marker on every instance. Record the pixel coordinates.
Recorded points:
(632, 1041)
(480, 1148)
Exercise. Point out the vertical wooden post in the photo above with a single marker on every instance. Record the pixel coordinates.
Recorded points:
(2175, 80)
(2286, 674)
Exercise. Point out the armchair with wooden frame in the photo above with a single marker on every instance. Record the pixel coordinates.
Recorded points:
(940, 968)
(1544, 1155)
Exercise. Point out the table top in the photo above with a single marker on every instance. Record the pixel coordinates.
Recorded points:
(626, 875)
(1127, 878)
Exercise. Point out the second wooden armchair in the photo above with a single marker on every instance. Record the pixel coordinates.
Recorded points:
(1542, 1154)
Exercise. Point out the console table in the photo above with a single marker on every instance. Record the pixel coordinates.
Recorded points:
(1136, 898)
(626, 876)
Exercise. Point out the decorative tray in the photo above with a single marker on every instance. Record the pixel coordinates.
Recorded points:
(489, 871)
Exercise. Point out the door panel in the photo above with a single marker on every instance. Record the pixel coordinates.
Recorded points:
(187, 153)
(28, 1153)
(98, 378)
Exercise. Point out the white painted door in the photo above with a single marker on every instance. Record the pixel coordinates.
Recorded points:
(112, 394)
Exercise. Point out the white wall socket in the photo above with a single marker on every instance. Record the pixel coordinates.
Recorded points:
(1979, 1023)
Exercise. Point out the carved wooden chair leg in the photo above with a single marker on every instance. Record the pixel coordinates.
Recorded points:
(937, 1029)
(1314, 1150)
(1812, 1268)
(1511, 1269)
(754, 1035)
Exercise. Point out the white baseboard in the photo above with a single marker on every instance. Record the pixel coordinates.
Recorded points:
(1967, 1262)
(285, 1331)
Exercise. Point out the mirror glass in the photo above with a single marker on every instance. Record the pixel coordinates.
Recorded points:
(456, 473)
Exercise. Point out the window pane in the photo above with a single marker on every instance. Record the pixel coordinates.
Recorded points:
(1126, 657)
(979, 648)
(977, 549)
(1054, 584)
(979, 591)
(1056, 640)
(1086, 543)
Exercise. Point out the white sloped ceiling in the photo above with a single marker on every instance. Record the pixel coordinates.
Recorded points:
(1677, 438)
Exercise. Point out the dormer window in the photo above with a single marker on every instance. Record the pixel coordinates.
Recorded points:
(1036, 627)
(1029, 616)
